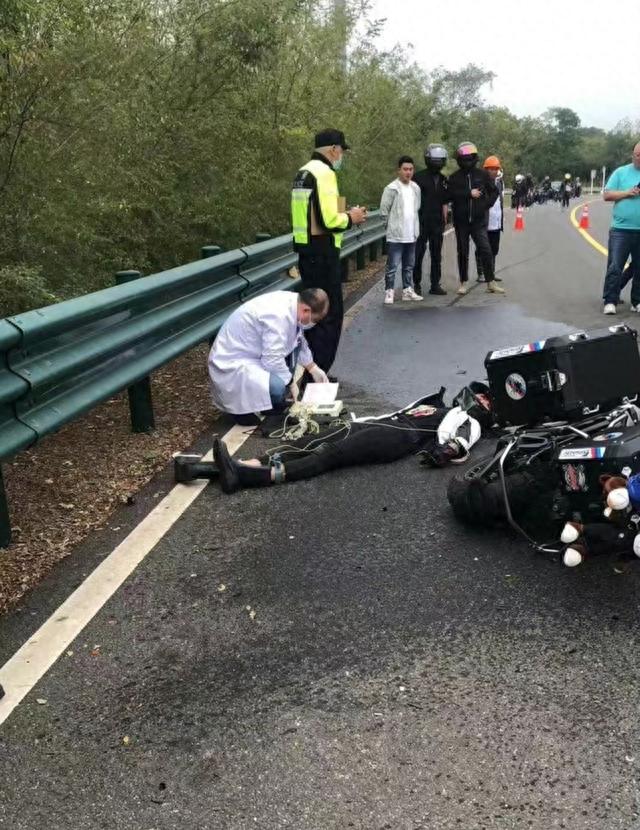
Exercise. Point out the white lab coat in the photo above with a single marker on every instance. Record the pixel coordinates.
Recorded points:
(253, 344)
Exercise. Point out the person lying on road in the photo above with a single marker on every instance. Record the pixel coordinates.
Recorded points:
(440, 434)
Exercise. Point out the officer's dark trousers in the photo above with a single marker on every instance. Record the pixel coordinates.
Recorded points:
(479, 234)
(431, 236)
(319, 265)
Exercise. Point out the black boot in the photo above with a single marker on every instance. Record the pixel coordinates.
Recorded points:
(189, 467)
(234, 476)
(438, 290)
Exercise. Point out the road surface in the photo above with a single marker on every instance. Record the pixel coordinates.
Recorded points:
(339, 653)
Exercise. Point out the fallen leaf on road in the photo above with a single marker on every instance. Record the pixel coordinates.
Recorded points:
(126, 740)
(41, 700)
(222, 587)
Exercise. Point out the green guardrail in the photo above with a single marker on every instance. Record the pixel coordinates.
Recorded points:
(58, 362)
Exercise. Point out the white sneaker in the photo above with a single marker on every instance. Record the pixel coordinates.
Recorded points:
(494, 288)
(609, 309)
(635, 308)
(462, 290)
(388, 296)
(410, 294)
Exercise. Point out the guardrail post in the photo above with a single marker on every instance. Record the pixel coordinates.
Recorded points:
(5, 521)
(373, 251)
(344, 269)
(210, 250)
(360, 263)
(140, 402)
(262, 237)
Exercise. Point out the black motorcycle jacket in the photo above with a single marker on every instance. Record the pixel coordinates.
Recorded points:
(434, 191)
(466, 210)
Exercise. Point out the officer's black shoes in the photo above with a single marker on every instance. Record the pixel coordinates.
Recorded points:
(417, 287)
(438, 290)
(228, 472)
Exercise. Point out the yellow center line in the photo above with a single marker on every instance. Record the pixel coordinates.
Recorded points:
(587, 236)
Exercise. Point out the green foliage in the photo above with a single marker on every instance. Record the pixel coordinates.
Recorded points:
(22, 288)
(134, 131)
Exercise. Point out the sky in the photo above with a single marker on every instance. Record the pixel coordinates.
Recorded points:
(582, 54)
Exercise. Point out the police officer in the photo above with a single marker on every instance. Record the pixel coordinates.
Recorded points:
(318, 226)
(433, 211)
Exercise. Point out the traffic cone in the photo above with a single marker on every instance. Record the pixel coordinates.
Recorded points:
(584, 219)
(519, 225)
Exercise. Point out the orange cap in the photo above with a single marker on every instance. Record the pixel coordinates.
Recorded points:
(492, 161)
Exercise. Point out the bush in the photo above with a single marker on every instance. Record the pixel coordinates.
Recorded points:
(23, 287)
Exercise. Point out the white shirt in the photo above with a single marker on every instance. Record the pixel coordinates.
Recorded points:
(254, 343)
(495, 216)
(408, 213)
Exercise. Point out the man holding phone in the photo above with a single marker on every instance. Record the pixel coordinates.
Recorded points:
(623, 189)
(319, 219)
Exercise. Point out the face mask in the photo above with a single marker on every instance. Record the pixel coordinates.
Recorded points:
(337, 164)
(306, 326)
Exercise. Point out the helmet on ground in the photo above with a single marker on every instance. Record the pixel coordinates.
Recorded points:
(519, 177)
(435, 156)
(467, 155)
(492, 163)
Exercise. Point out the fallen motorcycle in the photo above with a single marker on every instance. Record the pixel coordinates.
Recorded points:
(539, 478)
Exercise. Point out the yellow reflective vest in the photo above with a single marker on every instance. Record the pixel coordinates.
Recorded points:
(314, 203)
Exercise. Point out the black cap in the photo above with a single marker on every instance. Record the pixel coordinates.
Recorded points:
(326, 138)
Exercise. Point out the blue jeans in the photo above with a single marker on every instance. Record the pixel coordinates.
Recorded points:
(404, 254)
(277, 391)
(622, 245)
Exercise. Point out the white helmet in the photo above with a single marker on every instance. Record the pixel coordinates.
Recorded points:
(519, 177)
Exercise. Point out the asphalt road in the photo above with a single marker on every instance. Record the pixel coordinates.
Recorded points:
(400, 671)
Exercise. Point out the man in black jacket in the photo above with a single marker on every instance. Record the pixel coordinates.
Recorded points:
(472, 192)
(433, 188)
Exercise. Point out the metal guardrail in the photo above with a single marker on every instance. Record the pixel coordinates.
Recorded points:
(58, 362)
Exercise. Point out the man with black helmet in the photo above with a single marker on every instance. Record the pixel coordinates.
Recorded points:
(472, 192)
(433, 211)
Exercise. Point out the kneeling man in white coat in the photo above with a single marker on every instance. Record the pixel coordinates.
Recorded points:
(253, 359)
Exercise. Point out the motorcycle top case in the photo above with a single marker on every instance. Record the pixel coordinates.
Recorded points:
(581, 463)
(564, 377)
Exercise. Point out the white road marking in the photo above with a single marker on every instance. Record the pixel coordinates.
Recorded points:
(22, 671)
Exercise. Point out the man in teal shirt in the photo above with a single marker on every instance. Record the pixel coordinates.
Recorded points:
(623, 188)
